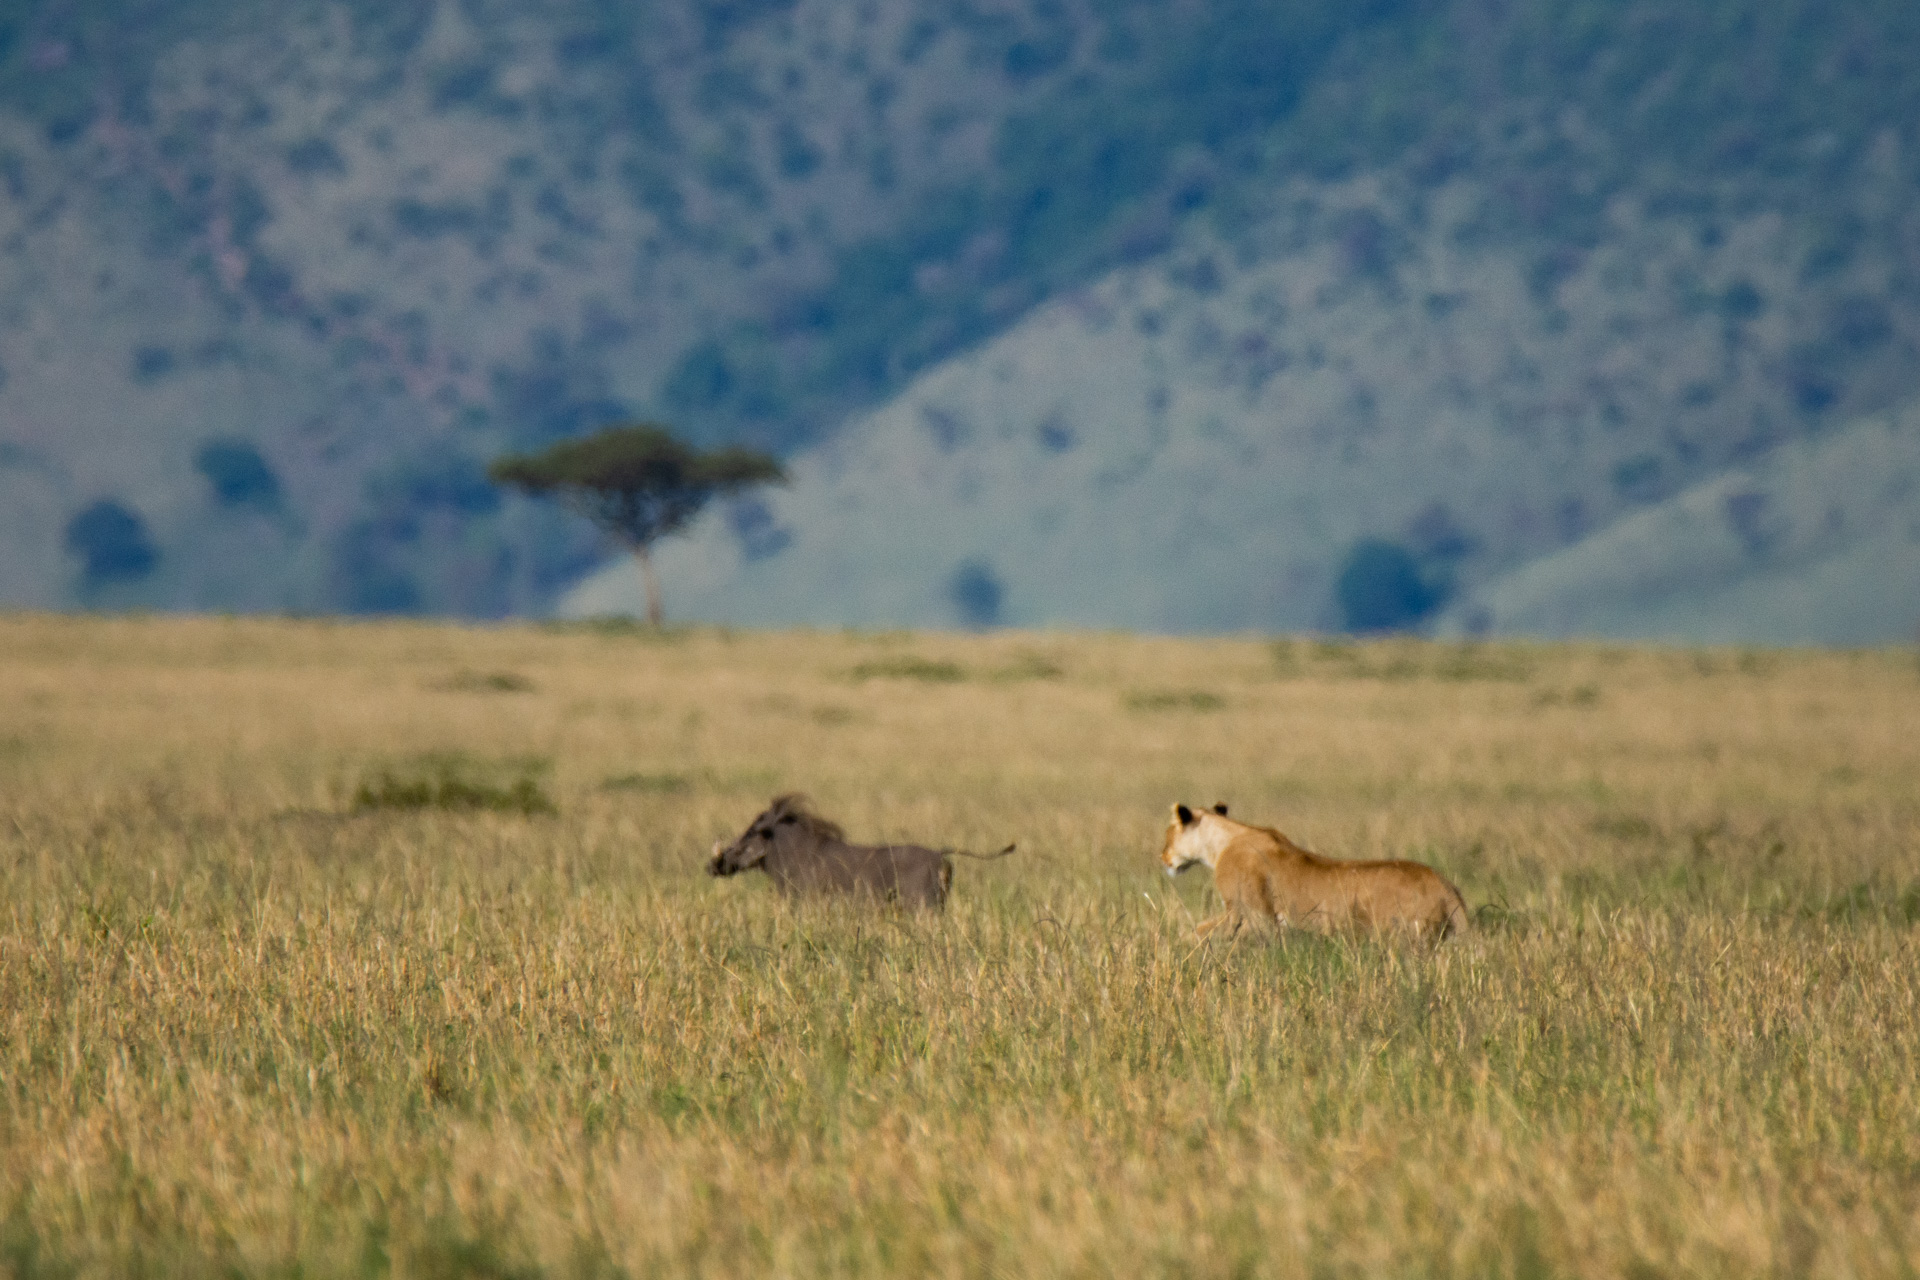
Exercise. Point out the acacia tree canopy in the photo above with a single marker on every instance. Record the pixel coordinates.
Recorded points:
(638, 482)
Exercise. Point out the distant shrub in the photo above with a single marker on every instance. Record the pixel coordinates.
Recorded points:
(1742, 301)
(315, 155)
(428, 221)
(1639, 478)
(1859, 324)
(798, 157)
(977, 594)
(1381, 588)
(237, 473)
(1055, 434)
(761, 536)
(738, 377)
(113, 543)
(152, 363)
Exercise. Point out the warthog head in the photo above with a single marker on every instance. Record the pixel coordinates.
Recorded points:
(784, 819)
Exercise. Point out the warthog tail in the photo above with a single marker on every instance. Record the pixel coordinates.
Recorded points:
(983, 857)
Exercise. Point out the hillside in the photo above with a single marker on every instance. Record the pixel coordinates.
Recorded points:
(1816, 542)
(1182, 447)
(1473, 279)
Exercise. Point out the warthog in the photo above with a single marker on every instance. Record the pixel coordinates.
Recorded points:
(805, 853)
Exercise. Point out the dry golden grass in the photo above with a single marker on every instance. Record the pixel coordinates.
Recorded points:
(254, 1020)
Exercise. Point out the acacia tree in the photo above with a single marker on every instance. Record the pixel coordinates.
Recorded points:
(637, 482)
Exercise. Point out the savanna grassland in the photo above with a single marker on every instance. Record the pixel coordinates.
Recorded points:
(386, 949)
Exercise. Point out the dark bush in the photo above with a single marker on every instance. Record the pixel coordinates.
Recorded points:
(113, 541)
(761, 536)
(798, 156)
(446, 479)
(1742, 301)
(1639, 478)
(240, 477)
(1861, 324)
(427, 221)
(152, 363)
(1381, 588)
(976, 592)
(315, 155)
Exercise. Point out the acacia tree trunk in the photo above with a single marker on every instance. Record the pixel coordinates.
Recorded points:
(651, 583)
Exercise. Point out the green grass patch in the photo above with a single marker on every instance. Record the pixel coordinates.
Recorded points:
(620, 627)
(707, 782)
(1029, 666)
(909, 666)
(1871, 901)
(1581, 695)
(1401, 659)
(1173, 700)
(1623, 826)
(457, 783)
(653, 784)
(486, 682)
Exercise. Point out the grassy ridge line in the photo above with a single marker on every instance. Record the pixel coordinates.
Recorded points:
(243, 1026)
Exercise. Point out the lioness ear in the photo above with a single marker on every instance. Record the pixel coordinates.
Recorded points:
(1220, 809)
(1183, 813)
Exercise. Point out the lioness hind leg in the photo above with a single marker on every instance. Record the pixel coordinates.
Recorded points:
(1231, 919)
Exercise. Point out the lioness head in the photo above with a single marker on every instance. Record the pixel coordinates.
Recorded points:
(1192, 837)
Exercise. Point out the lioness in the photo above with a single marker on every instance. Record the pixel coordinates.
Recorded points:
(1265, 878)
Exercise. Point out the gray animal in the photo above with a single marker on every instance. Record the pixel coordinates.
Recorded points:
(805, 853)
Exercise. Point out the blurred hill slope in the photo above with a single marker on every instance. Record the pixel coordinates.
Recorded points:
(1817, 542)
(1191, 446)
(1478, 279)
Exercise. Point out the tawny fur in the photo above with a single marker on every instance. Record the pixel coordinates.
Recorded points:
(1266, 879)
